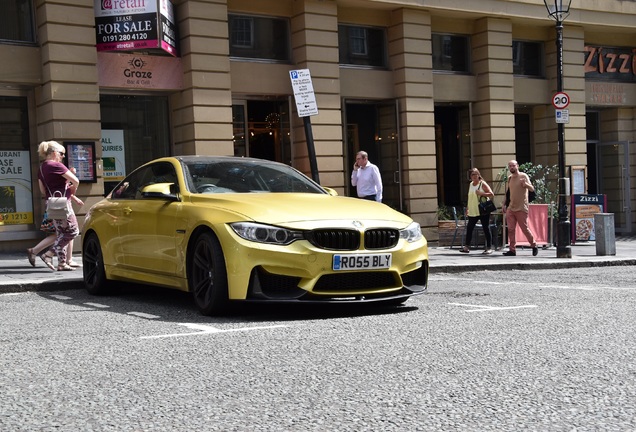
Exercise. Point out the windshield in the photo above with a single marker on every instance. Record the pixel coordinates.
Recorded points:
(245, 176)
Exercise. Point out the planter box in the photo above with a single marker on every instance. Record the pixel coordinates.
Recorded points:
(446, 231)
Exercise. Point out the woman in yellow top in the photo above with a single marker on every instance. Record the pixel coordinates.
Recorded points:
(478, 188)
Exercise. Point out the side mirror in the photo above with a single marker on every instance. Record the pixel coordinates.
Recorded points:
(159, 191)
(330, 191)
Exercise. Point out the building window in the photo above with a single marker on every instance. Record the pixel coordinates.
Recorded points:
(451, 53)
(527, 58)
(362, 46)
(259, 38)
(135, 130)
(16, 22)
(242, 34)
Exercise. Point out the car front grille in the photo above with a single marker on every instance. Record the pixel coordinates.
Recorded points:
(381, 238)
(335, 239)
(348, 239)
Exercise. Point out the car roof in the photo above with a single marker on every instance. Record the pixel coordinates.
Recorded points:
(199, 158)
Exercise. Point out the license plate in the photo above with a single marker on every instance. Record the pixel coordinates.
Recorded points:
(361, 262)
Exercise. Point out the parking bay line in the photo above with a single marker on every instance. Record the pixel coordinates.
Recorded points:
(205, 329)
(480, 308)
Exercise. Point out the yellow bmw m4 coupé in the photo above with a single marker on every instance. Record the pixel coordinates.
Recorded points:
(240, 229)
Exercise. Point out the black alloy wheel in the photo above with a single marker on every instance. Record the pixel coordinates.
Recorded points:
(207, 276)
(93, 266)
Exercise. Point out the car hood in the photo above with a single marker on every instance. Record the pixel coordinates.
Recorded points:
(304, 211)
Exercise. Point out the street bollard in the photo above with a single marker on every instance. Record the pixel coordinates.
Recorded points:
(604, 233)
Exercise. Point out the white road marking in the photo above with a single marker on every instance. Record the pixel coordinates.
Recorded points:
(60, 297)
(143, 315)
(97, 305)
(205, 329)
(12, 294)
(481, 308)
(533, 284)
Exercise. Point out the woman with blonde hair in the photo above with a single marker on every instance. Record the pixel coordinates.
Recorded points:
(54, 177)
(477, 189)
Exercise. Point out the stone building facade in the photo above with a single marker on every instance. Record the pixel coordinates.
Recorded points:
(428, 89)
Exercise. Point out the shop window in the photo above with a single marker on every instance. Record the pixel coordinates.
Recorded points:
(16, 187)
(259, 38)
(362, 46)
(16, 21)
(527, 58)
(451, 53)
(135, 130)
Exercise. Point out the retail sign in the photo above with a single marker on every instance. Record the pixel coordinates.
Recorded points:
(303, 92)
(610, 63)
(124, 25)
(16, 196)
(608, 94)
(119, 70)
(113, 155)
(585, 207)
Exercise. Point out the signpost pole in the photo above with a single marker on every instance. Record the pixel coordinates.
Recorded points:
(306, 106)
(311, 150)
(564, 249)
(559, 10)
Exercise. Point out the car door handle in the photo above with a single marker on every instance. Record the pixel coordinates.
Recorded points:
(127, 211)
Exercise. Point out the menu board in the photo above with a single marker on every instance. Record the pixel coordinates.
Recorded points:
(81, 156)
(585, 207)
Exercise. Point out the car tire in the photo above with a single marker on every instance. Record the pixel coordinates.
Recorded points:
(207, 276)
(95, 279)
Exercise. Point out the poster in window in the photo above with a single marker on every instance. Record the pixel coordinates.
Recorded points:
(113, 155)
(81, 156)
(16, 196)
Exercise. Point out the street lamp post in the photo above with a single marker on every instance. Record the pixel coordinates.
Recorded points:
(559, 10)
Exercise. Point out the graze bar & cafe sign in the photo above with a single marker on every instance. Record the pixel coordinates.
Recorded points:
(124, 25)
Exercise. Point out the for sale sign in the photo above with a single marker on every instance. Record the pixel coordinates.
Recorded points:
(124, 25)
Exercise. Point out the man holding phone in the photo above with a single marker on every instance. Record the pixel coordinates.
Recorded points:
(366, 178)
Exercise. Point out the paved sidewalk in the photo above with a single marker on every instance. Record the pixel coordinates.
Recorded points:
(17, 275)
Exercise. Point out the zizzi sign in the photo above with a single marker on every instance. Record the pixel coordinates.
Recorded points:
(610, 64)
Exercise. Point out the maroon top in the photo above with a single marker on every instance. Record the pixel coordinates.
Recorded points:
(51, 173)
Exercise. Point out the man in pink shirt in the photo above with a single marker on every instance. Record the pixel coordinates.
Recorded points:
(516, 210)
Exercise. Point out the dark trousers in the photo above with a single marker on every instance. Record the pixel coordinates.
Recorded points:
(369, 197)
(485, 224)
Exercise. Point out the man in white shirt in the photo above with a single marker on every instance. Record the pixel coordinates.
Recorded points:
(366, 178)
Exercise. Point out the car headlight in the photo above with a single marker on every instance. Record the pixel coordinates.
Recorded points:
(412, 233)
(262, 233)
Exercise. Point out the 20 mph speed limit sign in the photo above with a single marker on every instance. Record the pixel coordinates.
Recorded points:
(560, 100)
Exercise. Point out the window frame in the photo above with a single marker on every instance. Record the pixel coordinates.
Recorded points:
(28, 24)
(518, 58)
(234, 49)
(368, 38)
(449, 55)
